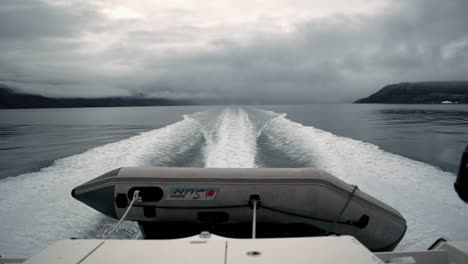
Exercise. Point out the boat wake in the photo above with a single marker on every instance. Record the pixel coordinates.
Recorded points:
(230, 139)
(422, 193)
(37, 209)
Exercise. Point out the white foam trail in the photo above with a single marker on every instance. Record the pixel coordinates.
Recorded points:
(422, 193)
(233, 143)
(37, 209)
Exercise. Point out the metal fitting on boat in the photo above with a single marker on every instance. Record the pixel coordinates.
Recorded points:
(204, 234)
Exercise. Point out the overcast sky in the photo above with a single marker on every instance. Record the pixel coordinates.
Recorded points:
(282, 50)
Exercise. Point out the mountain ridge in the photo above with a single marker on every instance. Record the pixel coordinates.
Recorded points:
(434, 92)
(11, 99)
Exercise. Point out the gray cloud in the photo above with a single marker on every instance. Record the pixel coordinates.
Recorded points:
(65, 50)
(30, 20)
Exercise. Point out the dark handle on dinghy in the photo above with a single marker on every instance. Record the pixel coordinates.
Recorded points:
(362, 222)
(461, 185)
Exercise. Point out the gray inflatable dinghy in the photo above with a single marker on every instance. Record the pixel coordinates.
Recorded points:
(180, 202)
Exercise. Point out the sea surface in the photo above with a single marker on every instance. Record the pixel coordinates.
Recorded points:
(405, 155)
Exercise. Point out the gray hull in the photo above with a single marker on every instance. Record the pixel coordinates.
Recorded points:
(176, 202)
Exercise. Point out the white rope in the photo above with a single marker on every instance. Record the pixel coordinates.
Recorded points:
(350, 197)
(254, 219)
(134, 199)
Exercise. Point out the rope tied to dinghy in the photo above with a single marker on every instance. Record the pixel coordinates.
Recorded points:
(254, 203)
(360, 223)
(134, 199)
(337, 219)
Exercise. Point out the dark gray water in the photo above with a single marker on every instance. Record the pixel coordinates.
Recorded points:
(435, 134)
(403, 155)
(31, 139)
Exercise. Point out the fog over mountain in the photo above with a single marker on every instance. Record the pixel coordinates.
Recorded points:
(280, 51)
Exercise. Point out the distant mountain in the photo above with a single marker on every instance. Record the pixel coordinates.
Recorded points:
(9, 99)
(420, 93)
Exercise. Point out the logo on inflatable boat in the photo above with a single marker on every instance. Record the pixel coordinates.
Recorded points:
(190, 193)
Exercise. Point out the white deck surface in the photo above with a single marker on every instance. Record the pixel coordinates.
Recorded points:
(212, 249)
(324, 250)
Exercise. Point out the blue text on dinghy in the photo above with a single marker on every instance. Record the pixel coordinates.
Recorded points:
(293, 202)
